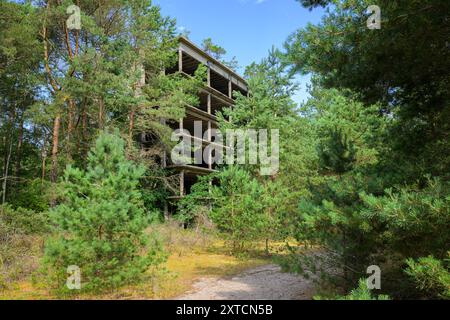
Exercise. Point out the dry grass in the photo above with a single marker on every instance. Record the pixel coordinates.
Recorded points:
(19, 257)
(194, 254)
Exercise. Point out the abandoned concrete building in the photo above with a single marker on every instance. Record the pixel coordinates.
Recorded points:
(214, 96)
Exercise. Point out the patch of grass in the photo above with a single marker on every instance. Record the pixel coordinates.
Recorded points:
(194, 254)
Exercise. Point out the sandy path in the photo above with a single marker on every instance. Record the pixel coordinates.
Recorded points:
(261, 283)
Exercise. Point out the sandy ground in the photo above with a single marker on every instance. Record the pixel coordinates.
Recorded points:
(261, 283)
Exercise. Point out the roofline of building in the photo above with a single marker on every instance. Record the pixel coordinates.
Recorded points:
(192, 168)
(209, 57)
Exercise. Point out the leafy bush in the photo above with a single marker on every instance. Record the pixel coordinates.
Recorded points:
(101, 221)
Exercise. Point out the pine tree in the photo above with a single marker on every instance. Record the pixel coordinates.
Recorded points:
(19, 77)
(213, 49)
(111, 72)
(237, 209)
(337, 153)
(101, 220)
(218, 52)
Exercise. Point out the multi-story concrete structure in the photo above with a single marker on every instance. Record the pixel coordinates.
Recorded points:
(214, 96)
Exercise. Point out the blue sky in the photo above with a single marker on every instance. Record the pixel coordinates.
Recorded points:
(247, 29)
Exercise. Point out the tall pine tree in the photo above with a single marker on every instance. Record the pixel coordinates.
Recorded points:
(101, 220)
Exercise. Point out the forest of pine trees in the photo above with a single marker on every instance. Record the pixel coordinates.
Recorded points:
(364, 162)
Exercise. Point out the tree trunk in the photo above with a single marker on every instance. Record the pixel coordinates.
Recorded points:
(8, 155)
(345, 271)
(44, 154)
(56, 126)
(131, 126)
(84, 143)
(19, 149)
(101, 111)
(5, 176)
(137, 93)
(5, 146)
(70, 122)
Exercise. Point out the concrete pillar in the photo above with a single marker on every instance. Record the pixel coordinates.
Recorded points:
(180, 60)
(210, 166)
(209, 103)
(209, 131)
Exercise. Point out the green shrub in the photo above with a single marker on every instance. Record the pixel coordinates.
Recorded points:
(196, 205)
(362, 292)
(237, 211)
(101, 221)
(242, 208)
(33, 195)
(359, 229)
(431, 276)
(24, 221)
(20, 242)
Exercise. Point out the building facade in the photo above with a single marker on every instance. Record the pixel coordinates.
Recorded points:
(216, 95)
